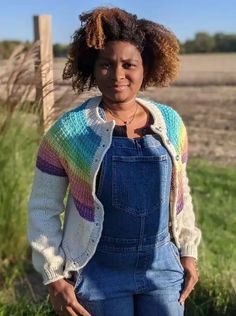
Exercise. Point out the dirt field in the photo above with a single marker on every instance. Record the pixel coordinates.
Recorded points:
(209, 113)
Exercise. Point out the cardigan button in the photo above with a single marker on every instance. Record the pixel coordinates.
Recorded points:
(177, 157)
(159, 128)
(168, 141)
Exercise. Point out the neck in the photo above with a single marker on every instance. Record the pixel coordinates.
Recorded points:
(118, 107)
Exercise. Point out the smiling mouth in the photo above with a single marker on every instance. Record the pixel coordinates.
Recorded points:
(120, 87)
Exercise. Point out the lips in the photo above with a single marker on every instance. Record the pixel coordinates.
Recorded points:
(119, 87)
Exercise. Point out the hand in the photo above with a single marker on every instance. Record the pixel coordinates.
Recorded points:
(63, 299)
(191, 278)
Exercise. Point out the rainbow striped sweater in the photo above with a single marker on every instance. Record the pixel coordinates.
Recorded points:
(71, 153)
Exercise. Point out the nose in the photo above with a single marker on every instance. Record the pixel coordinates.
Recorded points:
(118, 73)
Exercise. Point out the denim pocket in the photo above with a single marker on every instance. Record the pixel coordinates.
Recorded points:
(139, 183)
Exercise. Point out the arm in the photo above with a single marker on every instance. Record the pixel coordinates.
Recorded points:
(190, 235)
(44, 228)
(45, 206)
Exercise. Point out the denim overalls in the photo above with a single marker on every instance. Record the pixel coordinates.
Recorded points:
(135, 269)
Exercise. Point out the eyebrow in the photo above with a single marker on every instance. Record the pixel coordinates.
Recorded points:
(123, 60)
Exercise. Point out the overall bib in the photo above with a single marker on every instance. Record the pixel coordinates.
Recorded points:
(136, 268)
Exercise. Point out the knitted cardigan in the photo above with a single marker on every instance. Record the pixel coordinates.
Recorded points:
(71, 153)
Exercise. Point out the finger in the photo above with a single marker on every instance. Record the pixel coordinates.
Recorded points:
(188, 287)
(70, 311)
(78, 309)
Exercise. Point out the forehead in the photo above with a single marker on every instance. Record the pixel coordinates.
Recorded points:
(119, 50)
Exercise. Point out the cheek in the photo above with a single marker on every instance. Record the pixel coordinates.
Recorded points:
(101, 75)
(138, 78)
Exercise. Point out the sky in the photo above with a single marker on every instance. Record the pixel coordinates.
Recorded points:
(183, 17)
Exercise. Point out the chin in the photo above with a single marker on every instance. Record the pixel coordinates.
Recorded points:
(119, 97)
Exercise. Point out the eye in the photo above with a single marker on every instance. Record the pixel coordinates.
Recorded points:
(128, 65)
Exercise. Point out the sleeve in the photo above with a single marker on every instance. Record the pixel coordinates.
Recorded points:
(44, 208)
(190, 234)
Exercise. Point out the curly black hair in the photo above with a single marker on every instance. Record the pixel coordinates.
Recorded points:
(157, 45)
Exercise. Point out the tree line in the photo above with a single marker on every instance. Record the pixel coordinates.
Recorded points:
(203, 42)
(206, 43)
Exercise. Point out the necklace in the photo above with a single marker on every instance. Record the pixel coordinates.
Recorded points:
(129, 120)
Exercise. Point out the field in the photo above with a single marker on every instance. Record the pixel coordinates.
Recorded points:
(205, 96)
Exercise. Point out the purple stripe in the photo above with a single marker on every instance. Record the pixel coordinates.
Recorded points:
(50, 169)
(84, 211)
(184, 157)
(180, 205)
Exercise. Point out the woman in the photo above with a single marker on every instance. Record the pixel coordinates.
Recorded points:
(129, 236)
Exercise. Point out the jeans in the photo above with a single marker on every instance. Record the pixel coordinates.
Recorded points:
(136, 268)
(149, 304)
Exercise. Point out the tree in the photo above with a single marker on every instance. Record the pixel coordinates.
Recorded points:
(60, 50)
(225, 42)
(204, 43)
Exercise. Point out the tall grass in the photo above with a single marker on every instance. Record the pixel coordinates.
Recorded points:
(18, 145)
(26, 308)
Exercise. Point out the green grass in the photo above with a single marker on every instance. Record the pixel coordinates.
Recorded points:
(213, 189)
(18, 145)
(25, 307)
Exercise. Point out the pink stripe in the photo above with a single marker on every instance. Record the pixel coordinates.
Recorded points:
(47, 153)
(80, 190)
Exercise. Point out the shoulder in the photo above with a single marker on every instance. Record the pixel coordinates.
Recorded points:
(70, 123)
(174, 126)
(171, 117)
(169, 114)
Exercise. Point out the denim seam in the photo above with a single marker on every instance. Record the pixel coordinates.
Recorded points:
(177, 259)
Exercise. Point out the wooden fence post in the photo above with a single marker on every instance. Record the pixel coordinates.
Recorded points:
(44, 68)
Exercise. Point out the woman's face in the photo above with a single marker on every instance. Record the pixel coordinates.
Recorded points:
(119, 71)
